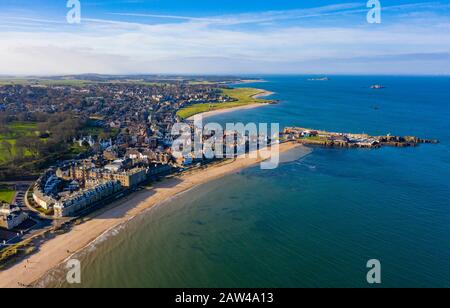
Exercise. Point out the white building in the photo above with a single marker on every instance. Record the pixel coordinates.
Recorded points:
(11, 216)
(44, 201)
(115, 166)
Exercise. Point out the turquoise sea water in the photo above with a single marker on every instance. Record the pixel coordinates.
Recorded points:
(314, 222)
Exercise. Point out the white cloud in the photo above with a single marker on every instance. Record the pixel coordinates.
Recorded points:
(197, 46)
(262, 17)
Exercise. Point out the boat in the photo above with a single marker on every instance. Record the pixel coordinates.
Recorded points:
(377, 87)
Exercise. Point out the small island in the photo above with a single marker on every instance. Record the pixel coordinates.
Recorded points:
(319, 79)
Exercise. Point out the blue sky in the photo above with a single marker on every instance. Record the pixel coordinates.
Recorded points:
(224, 37)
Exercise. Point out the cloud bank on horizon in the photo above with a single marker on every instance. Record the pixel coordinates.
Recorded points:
(215, 37)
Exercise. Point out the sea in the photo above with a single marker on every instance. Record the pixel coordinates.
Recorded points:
(312, 222)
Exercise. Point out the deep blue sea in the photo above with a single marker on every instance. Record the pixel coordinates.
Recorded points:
(314, 222)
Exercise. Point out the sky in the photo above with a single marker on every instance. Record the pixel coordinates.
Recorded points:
(224, 37)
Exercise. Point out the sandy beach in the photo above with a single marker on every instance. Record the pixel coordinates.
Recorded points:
(262, 94)
(222, 111)
(55, 251)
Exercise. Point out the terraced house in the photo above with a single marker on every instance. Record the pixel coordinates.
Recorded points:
(11, 216)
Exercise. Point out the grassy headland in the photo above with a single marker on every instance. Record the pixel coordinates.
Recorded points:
(241, 97)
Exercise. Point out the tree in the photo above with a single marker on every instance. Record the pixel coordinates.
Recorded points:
(7, 147)
(4, 129)
(43, 127)
(32, 144)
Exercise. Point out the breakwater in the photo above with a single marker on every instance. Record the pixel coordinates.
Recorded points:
(348, 140)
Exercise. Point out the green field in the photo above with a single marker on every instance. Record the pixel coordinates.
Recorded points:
(242, 96)
(205, 83)
(18, 129)
(21, 128)
(6, 194)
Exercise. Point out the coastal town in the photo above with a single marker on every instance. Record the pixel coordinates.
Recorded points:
(74, 146)
(224, 151)
(89, 145)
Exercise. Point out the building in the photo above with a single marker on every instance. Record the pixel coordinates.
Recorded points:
(159, 169)
(11, 216)
(148, 156)
(111, 153)
(136, 168)
(298, 132)
(114, 167)
(82, 200)
(111, 172)
(46, 186)
(184, 161)
(85, 140)
(309, 133)
(74, 186)
(130, 178)
(44, 201)
(51, 184)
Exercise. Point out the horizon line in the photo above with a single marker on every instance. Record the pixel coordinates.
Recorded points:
(215, 74)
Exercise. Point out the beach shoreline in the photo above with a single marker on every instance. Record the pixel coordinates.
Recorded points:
(56, 251)
(212, 113)
(262, 94)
